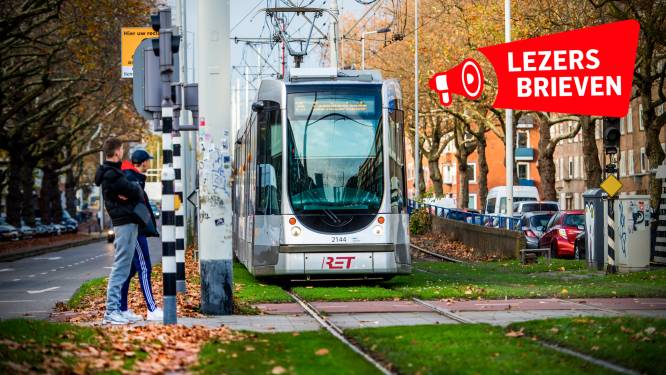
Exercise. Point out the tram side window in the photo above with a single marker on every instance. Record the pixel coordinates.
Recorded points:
(397, 162)
(269, 160)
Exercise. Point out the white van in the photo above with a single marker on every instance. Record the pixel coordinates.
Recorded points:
(496, 203)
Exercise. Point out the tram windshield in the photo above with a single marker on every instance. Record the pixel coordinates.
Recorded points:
(335, 150)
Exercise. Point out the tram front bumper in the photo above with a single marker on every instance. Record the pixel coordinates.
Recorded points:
(321, 262)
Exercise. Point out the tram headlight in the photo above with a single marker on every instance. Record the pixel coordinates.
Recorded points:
(295, 231)
(378, 230)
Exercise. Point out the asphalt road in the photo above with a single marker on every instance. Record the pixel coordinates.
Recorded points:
(30, 287)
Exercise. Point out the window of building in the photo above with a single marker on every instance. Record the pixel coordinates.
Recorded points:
(523, 171)
(563, 201)
(645, 162)
(630, 161)
(561, 164)
(623, 125)
(557, 169)
(471, 172)
(472, 201)
(449, 174)
(623, 163)
(523, 139)
(640, 116)
(630, 121)
(571, 167)
(576, 173)
(597, 129)
(582, 167)
(450, 148)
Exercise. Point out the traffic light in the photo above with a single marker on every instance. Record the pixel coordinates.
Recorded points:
(611, 134)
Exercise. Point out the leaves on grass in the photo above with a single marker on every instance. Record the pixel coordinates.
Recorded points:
(513, 333)
(322, 352)
(277, 370)
(441, 244)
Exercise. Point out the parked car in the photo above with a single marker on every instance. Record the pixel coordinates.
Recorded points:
(580, 246)
(70, 227)
(521, 208)
(156, 210)
(533, 225)
(26, 231)
(60, 229)
(8, 232)
(496, 202)
(462, 214)
(561, 232)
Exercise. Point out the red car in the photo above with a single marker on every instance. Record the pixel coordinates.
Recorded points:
(561, 231)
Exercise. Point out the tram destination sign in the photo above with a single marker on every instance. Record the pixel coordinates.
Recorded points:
(358, 105)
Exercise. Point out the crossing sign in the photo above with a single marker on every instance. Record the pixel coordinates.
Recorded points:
(611, 185)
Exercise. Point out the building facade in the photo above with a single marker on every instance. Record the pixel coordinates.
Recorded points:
(526, 142)
(633, 164)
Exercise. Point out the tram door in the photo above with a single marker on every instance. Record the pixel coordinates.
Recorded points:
(251, 178)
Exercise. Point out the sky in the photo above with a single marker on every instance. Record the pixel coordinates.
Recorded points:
(248, 21)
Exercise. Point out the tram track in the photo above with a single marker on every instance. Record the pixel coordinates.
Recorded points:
(337, 332)
(436, 255)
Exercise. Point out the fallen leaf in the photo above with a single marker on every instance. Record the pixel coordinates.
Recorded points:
(594, 348)
(518, 333)
(277, 370)
(554, 330)
(322, 351)
(650, 330)
(249, 348)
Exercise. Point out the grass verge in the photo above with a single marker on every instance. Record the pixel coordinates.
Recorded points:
(636, 343)
(91, 289)
(280, 353)
(249, 290)
(26, 344)
(495, 280)
(464, 349)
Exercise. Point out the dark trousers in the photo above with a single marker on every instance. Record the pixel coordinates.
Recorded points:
(141, 265)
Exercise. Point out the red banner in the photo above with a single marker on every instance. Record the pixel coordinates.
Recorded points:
(587, 71)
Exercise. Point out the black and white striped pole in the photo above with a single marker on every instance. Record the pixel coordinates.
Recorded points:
(165, 47)
(180, 213)
(611, 140)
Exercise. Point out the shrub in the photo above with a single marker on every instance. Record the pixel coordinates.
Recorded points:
(420, 221)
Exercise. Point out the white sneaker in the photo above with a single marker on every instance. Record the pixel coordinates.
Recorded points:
(156, 315)
(131, 316)
(115, 317)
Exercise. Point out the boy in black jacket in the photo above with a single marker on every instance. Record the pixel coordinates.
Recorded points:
(135, 171)
(120, 197)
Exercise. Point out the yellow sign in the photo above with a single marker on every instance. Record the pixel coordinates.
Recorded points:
(177, 202)
(131, 37)
(611, 185)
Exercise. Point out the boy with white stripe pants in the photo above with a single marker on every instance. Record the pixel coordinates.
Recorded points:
(134, 171)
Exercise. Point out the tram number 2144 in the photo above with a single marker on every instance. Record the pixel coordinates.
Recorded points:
(338, 239)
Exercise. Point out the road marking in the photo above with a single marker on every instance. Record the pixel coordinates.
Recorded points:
(53, 270)
(43, 290)
(49, 258)
(16, 280)
(31, 275)
(6, 269)
(43, 273)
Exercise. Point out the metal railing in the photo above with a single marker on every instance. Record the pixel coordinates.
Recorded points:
(492, 221)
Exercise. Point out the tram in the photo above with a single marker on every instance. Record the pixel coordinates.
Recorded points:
(319, 187)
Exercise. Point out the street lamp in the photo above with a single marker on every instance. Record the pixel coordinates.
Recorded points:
(383, 30)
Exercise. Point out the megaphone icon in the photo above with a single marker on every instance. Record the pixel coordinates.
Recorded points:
(464, 79)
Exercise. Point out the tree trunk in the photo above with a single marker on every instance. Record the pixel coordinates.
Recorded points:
(463, 202)
(70, 192)
(14, 188)
(483, 172)
(47, 192)
(546, 165)
(422, 183)
(436, 177)
(656, 156)
(593, 170)
(28, 190)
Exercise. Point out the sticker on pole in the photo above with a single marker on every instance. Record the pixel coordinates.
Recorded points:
(130, 38)
(611, 185)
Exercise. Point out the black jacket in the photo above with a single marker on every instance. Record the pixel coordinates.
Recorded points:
(133, 175)
(114, 183)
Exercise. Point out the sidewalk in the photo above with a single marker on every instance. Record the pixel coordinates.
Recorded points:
(11, 251)
(288, 317)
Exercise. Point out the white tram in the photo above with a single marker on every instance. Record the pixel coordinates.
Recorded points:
(320, 178)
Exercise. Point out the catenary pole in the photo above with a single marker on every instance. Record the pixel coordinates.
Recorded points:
(215, 140)
(508, 123)
(168, 214)
(417, 153)
(178, 162)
